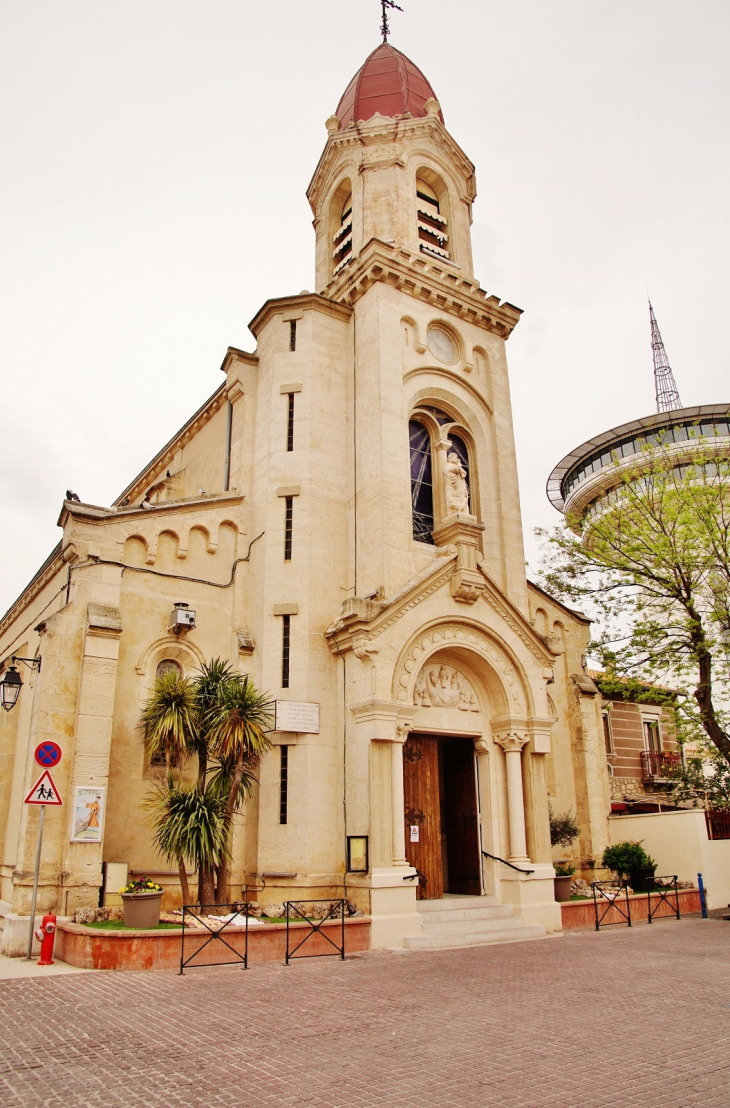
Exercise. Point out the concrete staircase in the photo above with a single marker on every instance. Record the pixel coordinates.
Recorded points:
(470, 921)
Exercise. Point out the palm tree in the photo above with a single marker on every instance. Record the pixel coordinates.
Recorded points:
(188, 826)
(236, 727)
(170, 718)
(218, 716)
(170, 725)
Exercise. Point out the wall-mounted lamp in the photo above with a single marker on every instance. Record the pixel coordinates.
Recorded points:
(11, 682)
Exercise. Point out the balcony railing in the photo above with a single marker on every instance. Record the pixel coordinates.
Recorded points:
(659, 765)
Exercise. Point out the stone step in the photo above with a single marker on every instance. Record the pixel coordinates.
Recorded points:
(486, 912)
(455, 902)
(457, 927)
(475, 938)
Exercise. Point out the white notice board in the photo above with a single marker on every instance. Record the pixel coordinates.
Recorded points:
(297, 716)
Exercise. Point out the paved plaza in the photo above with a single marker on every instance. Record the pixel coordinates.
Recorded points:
(624, 1017)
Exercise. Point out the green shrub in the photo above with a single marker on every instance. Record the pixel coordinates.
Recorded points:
(564, 829)
(564, 871)
(625, 858)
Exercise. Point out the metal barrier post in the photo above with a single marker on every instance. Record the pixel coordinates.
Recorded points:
(664, 894)
(703, 898)
(215, 933)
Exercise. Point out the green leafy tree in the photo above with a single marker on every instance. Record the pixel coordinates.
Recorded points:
(651, 563)
(704, 777)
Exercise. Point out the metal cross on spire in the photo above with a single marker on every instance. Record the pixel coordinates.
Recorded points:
(667, 396)
(384, 26)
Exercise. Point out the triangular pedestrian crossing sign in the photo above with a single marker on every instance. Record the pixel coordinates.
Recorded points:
(44, 791)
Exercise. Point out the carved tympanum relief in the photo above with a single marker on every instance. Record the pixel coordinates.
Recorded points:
(444, 687)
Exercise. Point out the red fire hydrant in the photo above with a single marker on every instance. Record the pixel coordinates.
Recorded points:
(46, 936)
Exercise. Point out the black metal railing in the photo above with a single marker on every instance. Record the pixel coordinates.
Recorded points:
(294, 913)
(718, 824)
(495, 858)
(665, 892)
(611, 895)
(216, 926)
(661, 764)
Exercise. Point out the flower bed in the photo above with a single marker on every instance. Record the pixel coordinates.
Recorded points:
(91, 948)
(581, 913)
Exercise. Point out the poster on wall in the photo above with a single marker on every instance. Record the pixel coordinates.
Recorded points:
(88, 815)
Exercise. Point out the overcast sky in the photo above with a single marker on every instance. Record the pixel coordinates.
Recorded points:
(154, 158)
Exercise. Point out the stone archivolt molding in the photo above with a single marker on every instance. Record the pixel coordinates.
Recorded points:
(442, 686)
(463, 635)
(379, 130)
(170, 646)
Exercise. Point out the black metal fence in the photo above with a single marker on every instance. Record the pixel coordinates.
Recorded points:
(606, 892)
(219, 931)
(666, 892)
(293, 910)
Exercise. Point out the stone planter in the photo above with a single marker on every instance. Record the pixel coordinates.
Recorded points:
(141, 910)
(562, 887)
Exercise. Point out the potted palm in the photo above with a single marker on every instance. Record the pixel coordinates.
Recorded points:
(564, 830)
(142, 899)
(632, 864)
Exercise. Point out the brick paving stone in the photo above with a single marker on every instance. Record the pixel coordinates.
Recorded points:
(635, 1017)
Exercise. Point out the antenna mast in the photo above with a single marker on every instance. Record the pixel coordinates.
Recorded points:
(667, 397)
(384, 26)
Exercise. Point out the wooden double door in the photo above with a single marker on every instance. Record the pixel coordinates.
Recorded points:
(441, 815)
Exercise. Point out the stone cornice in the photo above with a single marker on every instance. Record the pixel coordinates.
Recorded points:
(311, 300)
(92, 513)
(387, 129)
(233, 354)
(362, 620)
(426, 280)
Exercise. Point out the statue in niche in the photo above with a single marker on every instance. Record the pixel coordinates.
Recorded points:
(457, 490)
(444, 687)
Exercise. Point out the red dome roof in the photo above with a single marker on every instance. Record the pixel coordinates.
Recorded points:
(388, 83)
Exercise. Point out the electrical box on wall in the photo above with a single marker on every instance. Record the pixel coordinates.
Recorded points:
(182, 619)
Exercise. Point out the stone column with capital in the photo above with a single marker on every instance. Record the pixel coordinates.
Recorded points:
(512, 743)
(397, 796)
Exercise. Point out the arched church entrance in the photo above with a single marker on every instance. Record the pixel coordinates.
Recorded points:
(440, 782)
(442, 815)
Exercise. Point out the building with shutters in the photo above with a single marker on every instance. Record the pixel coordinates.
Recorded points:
(343, 519)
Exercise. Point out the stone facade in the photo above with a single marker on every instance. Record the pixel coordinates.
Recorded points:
(387, 634)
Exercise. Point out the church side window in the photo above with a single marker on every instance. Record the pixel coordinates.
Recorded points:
(421, 481)
(343, 236)
(167, 665)
(432, 224)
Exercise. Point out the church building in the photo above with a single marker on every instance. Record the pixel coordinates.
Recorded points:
(340, 520)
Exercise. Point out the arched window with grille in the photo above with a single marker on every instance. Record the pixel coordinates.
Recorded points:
(421, 481)
(430, 425)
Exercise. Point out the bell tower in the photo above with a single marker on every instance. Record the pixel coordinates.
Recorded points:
(392, 172)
